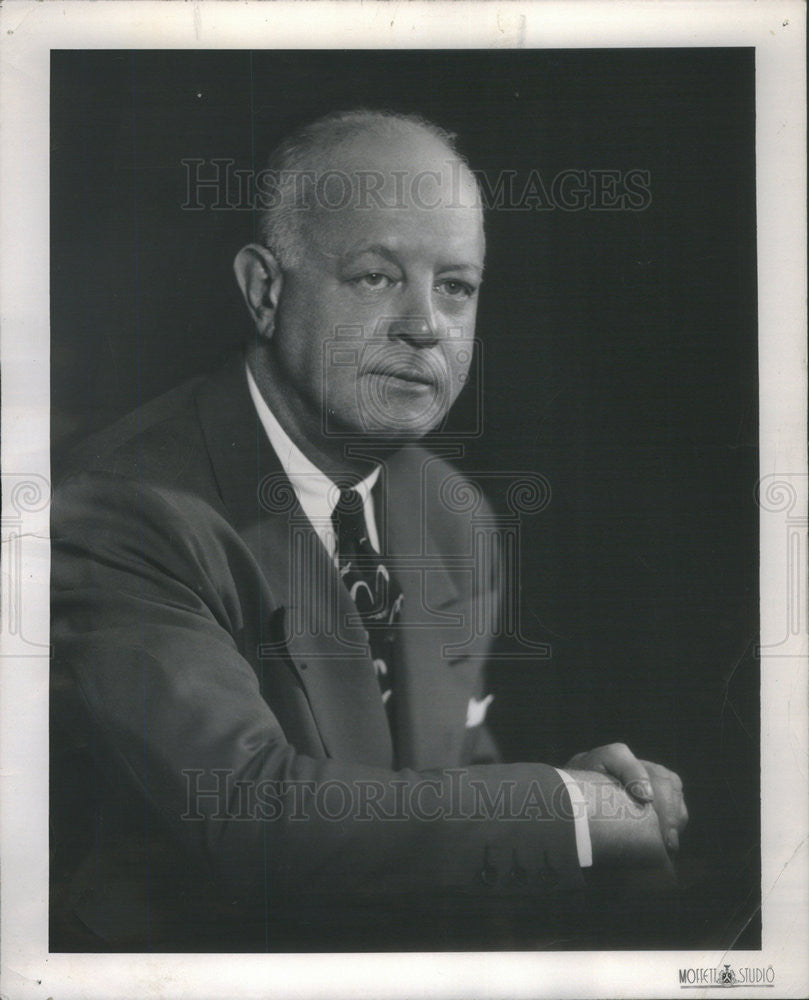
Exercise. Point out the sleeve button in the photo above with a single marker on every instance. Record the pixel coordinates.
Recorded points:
(488, 875)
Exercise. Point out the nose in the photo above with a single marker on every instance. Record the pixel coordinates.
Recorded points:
(417, 331)
(416, 325)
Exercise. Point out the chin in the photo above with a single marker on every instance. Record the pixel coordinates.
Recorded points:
(405, 422)
(412, 429)
(385, 420)
(393, 435)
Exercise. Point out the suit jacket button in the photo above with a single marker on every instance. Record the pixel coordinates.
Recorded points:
(303, 665)
(547, 876)
(488, 875)
(518, 875)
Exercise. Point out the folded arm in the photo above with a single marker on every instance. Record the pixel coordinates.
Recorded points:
(146, 622)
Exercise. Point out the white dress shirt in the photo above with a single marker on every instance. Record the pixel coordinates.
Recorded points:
(316, 493)
(318, 497)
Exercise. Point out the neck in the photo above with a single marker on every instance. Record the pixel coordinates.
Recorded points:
(332, 455)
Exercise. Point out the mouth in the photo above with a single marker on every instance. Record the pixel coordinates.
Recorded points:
(409, 374)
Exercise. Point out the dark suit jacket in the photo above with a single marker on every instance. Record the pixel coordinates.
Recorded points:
(203, 643)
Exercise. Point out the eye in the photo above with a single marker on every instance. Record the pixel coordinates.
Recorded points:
(455, 289)
(374, 281)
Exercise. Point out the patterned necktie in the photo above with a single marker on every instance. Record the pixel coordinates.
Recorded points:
(372, 588)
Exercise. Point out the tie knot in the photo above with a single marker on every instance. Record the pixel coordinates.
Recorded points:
(348, 503)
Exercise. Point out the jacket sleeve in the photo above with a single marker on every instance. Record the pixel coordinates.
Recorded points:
(145, 623)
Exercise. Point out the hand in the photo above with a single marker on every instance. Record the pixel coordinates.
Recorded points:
(624, 833)
(645, 782)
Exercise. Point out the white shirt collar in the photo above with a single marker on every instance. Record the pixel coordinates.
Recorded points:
(316, 493)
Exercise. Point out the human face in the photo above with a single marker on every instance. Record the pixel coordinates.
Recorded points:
(374, 329)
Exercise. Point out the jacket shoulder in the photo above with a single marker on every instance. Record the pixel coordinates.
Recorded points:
(157, 443)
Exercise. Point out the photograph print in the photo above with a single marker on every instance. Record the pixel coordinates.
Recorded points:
(404, 437)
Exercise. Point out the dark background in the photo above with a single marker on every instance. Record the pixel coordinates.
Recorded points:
(619, 361)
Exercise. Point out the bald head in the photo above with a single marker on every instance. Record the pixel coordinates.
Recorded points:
(357, 161)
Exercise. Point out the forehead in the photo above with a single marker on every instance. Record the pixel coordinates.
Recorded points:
(441, 233)
(411, 195)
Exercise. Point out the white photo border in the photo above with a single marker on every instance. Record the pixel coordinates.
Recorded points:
(776, 28)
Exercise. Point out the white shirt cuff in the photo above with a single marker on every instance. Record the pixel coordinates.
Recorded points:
(581, 824)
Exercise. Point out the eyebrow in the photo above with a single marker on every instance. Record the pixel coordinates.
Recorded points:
(376, 248)
(477, 268)
(381, 250)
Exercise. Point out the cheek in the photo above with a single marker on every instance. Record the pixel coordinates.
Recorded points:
(461, 344)
(310, 328)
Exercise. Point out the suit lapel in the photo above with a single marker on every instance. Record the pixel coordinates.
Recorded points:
(431, 691)
(326, 644)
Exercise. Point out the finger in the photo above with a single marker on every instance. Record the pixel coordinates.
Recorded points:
(669, 807)
(591, 760)
(622, 764)
(669, 802)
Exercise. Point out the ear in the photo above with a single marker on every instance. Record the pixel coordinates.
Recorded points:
(260, 280)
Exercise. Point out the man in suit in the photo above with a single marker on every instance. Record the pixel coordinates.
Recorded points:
(268, 699)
